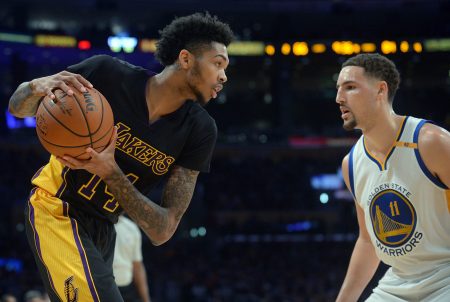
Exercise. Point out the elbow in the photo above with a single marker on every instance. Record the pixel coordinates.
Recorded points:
(157, 243)
(13, 108)
(164, 233)
(15, 112)
(12, 111)
(160, 240)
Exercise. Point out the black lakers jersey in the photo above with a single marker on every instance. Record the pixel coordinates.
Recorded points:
(145, 152)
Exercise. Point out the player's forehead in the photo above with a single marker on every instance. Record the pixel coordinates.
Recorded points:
(217, 50)
(350, 74)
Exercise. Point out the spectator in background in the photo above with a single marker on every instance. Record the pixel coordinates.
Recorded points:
(129, 270)
(45, 297)
(33, 296)
(8, 298)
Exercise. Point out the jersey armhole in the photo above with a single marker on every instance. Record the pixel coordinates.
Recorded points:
(351, 174)
(422, 165)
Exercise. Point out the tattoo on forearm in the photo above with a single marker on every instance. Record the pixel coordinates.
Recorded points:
(23, 102)
(148, 215)
(151, 217)
(179, 189)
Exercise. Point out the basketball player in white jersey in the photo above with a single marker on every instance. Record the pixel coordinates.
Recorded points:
(399, 175)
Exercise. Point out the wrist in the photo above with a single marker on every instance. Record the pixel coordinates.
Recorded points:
(113, 174)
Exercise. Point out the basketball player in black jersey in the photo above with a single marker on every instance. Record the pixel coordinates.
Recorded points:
(161, 129)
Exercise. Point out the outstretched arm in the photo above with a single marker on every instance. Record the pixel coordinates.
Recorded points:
(25, 100)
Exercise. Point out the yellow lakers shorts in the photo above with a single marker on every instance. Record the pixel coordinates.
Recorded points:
(73, 251)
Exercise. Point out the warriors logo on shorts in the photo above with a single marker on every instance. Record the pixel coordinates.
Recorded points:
(393, 218)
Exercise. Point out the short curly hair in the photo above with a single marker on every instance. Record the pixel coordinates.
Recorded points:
(379, 67)
(191, 32)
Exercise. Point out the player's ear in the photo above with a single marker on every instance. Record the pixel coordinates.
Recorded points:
(383, 90)
(185, 59)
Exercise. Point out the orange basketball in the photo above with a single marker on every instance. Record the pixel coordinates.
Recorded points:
(69, 124)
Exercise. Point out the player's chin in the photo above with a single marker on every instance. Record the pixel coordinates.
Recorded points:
(206, 99)
(349, 124)
(203, 101)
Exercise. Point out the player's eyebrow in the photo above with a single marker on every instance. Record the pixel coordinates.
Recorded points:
(222, 56)
(345, 83)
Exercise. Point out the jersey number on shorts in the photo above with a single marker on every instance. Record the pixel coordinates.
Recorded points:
(88, 191)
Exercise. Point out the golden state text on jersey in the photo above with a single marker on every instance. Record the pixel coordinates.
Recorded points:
(394, 219)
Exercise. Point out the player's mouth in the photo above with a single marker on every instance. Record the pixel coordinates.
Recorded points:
(344, 112)
(216, 90)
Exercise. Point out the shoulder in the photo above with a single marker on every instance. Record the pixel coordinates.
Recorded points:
(126, 66)
(91, 67)
(431, 136)
(106, 64)
(434, 147)
(100, 59)
(116, 65)
(433, 142)
(93, 62)
(202, 120)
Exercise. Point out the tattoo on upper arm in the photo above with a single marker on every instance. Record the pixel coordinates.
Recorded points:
(179, 190)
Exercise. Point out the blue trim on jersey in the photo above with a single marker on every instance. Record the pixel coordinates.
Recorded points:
(398, 138)
(350, 173)
(382, 165)
(371, 157)
(424, 168)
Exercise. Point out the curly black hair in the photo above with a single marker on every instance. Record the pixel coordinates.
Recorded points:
(379, 67)
(191, 32)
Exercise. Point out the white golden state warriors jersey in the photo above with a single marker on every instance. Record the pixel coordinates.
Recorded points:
(406, 209)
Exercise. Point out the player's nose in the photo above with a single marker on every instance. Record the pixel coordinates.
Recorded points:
(339, 97)
(222, 76)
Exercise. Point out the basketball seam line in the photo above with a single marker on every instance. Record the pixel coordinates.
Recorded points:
(85, 119)
(59, 122)
(103, 113)
(95, 148)
(79, 146)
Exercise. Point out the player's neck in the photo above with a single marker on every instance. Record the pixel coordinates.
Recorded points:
(164, 94)
(380, 137)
